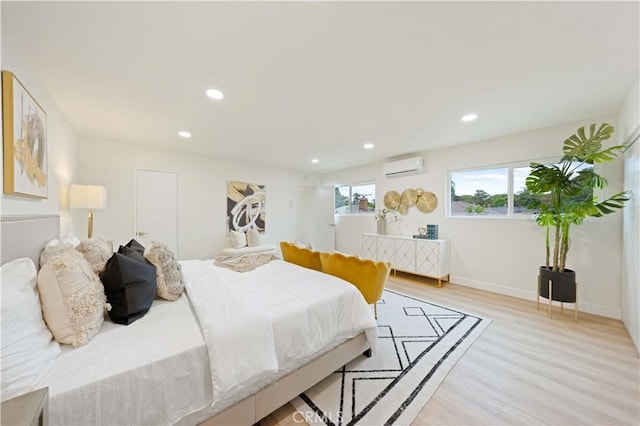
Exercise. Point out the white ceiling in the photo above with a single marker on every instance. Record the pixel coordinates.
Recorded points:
(319, 79)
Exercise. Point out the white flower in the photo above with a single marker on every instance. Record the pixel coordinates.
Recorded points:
(382, 214)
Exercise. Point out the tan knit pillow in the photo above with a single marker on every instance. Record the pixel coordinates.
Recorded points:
(72, 298)
(97, 251)
(169, 280)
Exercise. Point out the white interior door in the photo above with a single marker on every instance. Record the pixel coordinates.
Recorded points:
(156, 208)
(325, 219)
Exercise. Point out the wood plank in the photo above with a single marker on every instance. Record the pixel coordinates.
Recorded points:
(526, 368)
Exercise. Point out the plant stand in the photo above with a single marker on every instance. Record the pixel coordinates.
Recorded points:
(550, 298)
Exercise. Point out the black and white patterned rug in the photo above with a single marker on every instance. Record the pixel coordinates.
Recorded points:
(418, 343)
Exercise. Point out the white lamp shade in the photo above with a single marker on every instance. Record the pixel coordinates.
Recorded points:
(88, 197)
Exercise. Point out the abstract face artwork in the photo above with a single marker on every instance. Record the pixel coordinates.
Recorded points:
(245, 206)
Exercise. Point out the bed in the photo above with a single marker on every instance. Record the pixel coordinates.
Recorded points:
(289, 327)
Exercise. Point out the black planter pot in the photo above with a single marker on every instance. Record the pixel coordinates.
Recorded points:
(563, 284)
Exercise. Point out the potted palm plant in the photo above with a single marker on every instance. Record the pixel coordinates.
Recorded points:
(565, 198)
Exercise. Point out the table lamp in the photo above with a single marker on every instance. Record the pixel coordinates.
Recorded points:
(88, 197)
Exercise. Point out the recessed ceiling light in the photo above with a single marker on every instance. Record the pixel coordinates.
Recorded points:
(368, 145)
(184, 134)
(215, 94)
(469, 117)
(315, 160)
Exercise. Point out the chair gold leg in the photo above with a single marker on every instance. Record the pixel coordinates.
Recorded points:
(562, 307)
(375, 309)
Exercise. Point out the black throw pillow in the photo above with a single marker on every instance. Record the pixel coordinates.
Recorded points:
(132, 253)
(130, 287)
(135, 246)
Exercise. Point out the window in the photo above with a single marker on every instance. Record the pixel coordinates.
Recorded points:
(494, 192)
(479, 192)
(355, 199)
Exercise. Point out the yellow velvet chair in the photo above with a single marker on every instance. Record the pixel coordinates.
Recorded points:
(367, 275)
(300, 256)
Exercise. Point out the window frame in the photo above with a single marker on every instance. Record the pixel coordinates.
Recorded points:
(351, 185)
(510, 188)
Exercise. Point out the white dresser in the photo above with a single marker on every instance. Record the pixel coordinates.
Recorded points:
(414, 255)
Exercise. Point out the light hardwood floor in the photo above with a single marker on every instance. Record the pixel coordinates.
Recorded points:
(527, 369)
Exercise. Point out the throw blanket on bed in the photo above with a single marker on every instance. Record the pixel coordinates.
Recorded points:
(270, 320)
(244, 262)
(238, 334)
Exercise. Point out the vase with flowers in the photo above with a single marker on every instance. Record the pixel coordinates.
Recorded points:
(381, 219)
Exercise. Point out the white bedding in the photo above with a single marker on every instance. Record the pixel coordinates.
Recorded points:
(276, 318)
(257, 327)
(154, 371)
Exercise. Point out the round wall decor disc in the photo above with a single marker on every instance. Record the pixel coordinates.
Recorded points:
(419, 191)
(409, 197)
(403, 208)
(391, 200)
(427, 202)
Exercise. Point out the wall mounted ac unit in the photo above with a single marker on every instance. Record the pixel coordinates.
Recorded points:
(408, 166)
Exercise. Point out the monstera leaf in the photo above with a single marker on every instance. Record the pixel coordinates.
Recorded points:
(587, 149)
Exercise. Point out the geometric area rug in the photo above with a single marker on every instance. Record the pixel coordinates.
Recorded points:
(418, 343)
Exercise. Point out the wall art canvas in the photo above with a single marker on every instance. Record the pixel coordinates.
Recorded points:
(25, 142)
(245, 206)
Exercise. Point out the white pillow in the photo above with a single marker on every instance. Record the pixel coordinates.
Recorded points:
(238, 239)
(169, 280)
(253, 237)
(72, 298)
(28, 349)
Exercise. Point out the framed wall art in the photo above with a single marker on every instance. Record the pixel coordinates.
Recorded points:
(245, 206)
(25, 142)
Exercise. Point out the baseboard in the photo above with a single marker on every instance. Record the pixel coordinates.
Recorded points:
(591, 308)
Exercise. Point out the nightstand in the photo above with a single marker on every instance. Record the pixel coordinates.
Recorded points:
(29, 409)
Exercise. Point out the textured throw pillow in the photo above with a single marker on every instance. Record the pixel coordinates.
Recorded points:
(53, 248)
(130, 286)
(97, 251)
(72, 298)
(253, 237)
(238, 239)
(169, 280)
(28, 350)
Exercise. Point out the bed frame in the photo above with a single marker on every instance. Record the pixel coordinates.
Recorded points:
(26, 236)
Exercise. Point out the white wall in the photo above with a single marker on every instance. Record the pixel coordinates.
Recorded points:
(629, 125)
(201, 193)
(503, 255)
(62, 146)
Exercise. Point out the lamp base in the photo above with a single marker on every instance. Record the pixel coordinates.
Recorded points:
(90, 225)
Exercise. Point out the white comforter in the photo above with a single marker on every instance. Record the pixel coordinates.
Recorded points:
(270, 320)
